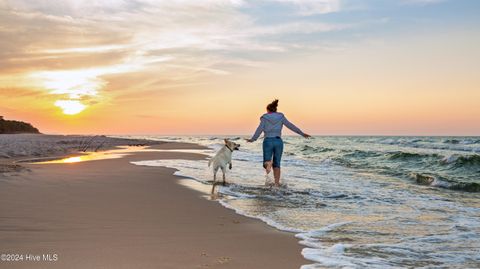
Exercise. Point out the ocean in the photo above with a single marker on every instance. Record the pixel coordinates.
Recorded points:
(361, 201)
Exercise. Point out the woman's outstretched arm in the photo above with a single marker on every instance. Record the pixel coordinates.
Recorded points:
(258, 132)
(294, 128)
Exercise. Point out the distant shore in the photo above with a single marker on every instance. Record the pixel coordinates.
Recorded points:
(14, 147)
(112, 214)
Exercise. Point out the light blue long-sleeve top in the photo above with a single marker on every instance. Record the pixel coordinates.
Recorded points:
(271, 125)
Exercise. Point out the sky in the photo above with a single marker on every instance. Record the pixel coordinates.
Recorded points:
(338, 67)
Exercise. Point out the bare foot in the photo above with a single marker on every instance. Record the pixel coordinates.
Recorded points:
(281, 185)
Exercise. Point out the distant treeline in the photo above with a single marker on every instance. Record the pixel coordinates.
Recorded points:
(15, 127)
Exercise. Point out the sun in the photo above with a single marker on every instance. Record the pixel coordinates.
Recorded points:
(70, 107)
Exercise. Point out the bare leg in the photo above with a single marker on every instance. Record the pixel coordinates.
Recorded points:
(276, 175)
(268, 166)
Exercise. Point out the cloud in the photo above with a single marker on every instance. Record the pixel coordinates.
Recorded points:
(21, 93)
(75, 49)
(313, 7)
(300, 27)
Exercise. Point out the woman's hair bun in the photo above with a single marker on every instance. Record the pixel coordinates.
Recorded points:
(273, 106)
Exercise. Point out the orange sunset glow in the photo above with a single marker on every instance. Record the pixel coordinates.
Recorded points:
(210, 67)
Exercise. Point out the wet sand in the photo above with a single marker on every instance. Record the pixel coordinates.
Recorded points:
(112, 214)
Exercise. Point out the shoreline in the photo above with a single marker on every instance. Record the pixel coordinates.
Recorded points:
(128, 203)
(14, 148)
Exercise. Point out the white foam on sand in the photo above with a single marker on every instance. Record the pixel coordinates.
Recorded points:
(314, 251)
(182, 165)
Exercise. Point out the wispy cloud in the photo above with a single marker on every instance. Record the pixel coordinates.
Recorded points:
(75, 44)
(313, 7)
(75, 49)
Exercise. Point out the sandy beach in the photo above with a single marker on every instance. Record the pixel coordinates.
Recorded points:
(112, 214)
(303, 134)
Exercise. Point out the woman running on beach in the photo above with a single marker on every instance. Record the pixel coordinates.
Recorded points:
(271, 124)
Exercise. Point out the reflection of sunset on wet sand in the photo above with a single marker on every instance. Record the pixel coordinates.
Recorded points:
(72, 160)
(92, 156)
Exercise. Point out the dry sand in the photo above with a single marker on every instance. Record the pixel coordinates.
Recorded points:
(112, 214)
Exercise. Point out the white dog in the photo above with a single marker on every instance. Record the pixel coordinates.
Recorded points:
(222, 159)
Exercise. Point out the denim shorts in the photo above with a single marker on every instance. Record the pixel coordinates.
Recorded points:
(273, 147)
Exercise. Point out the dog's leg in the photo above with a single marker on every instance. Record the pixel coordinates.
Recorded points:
(215, 170)
(230, 166)
(224, 171)
(213, 187)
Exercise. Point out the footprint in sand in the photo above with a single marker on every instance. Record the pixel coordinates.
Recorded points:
(223, 260)
(218, 261)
